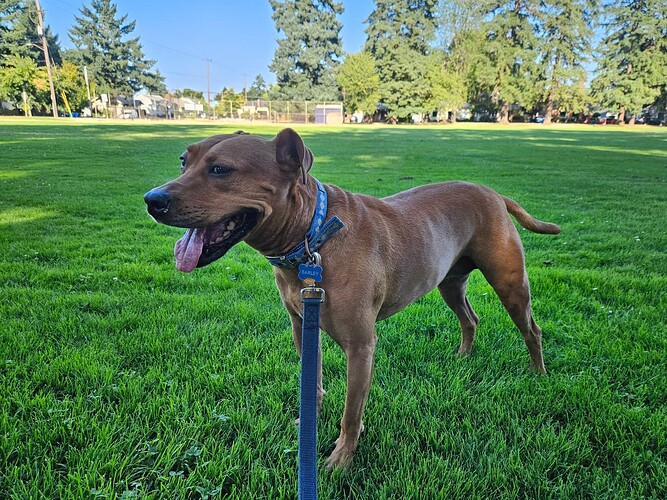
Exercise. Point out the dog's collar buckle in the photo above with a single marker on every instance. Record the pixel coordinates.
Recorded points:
(316, 236)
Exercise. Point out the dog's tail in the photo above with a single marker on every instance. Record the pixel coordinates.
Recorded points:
(528, 221)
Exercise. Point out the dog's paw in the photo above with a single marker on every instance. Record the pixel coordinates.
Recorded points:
(464, 350)
(538, 369)
(340, 458)
(343, 451)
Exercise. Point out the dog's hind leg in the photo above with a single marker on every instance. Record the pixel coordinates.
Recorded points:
(505, 271)
(516, 299)
(453, 291)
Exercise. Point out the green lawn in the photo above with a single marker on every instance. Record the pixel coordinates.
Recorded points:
(122, 378)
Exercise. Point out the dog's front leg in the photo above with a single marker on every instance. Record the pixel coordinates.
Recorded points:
(360, 358)
(296, 337)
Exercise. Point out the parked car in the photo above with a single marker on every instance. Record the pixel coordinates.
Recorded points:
(603, 118)
(658, 119)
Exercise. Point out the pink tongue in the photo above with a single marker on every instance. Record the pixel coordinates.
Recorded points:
(188, 250)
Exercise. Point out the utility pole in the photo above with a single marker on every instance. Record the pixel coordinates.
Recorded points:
(208, 83)
(90, 102)
(45, 48)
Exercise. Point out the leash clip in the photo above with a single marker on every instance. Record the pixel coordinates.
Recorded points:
(313, 292)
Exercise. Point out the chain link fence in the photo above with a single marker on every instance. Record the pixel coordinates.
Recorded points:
(321, 112)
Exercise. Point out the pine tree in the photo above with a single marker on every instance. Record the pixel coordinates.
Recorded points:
(632, 68)
(399, 36)
(18, 33)
(306, 58)
(13, 40)
(566, 28)
(258, 88)
(116, 64)
(506, 69)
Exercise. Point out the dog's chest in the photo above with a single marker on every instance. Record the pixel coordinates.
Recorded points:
(290, 292)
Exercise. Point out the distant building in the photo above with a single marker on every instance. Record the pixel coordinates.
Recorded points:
(188, 106)
(151, 105)
(329, 114)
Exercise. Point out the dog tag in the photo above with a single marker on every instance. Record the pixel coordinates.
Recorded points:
(310, 273)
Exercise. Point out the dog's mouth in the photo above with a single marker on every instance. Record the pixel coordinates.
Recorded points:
(200, 246)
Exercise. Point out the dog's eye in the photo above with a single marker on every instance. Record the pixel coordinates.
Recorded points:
(182, 158)
(220, 170)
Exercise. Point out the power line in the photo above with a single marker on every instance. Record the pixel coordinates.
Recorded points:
(162, 46)
(228, 69)
(183, 74)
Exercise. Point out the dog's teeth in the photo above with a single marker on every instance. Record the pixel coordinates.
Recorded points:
(231, 225)
(225, 235)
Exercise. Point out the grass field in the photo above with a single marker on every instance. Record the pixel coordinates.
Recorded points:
(123, 378)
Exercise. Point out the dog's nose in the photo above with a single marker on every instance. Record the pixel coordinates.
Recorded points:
(158, 201)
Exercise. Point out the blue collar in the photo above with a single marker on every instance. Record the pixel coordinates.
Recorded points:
(316, 236)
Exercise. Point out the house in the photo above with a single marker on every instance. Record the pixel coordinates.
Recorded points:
(258, 109)
(151, 105)
(114, 107)
(188, 106)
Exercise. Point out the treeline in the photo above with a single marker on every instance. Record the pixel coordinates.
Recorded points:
(103, 44)
(500, 58)
(497, 58)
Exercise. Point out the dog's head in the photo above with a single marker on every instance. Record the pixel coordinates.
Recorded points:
(229, 185)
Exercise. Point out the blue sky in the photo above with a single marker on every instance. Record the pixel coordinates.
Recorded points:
(238, 36)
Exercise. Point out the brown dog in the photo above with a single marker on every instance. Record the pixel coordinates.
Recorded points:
(389, 253)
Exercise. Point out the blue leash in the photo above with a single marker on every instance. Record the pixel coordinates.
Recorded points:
(304, 256)
(312, 297)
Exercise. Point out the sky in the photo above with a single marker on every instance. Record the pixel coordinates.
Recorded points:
(238, 36)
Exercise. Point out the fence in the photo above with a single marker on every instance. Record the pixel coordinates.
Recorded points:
(329, 113)
(145, 106)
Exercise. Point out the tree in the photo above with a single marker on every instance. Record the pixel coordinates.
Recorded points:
(117, 64)
(360, 83)
(18, 33)
(14, 35)
(456, 19)
(448, 90)
(70, 83)
(632, 68)
(307, 56)
(258, 89)
(460, 36)
(506, 69)
(229, 101)
(399, 37)
(197, 95)
(566, 28)
(21, 80)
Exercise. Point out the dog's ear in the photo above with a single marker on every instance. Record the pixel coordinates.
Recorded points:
(291, 150)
